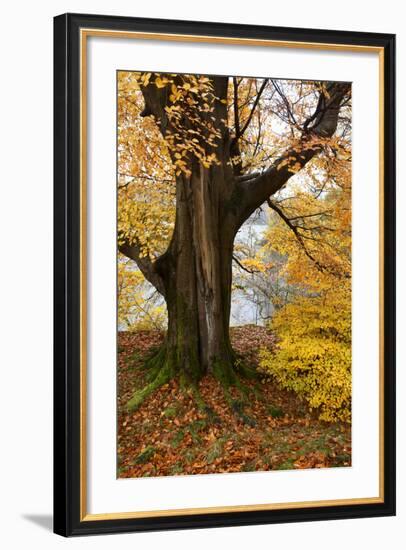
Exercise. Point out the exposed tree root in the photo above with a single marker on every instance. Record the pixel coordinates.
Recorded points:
(244, 370)
(139, 396)
(155, 363)
(202, 406)
(162, 366)
(229, 377)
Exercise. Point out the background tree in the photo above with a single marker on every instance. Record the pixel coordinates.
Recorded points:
(197, 156)
(140, 307)
(313, 355)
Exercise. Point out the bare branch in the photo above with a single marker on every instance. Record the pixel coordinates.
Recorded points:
(291, 116)
(322, 213)
(145, 177)
(250, 193)
(258, 97)
(250, 271)
(295, 230)
(236, 113)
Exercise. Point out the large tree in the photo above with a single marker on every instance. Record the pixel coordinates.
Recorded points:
(214, 171)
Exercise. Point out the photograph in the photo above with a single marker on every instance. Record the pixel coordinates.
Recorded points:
(234, 269)
(208, 225)
(224, 249)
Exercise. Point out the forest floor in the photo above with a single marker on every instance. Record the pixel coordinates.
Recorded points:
(168, 435)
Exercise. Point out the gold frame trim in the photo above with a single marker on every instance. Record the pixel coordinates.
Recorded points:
(84, 34)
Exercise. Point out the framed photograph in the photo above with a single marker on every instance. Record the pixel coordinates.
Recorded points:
(224, 274)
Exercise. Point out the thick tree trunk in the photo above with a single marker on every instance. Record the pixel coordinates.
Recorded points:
(196, 269)
(195, 278)
(198, 281)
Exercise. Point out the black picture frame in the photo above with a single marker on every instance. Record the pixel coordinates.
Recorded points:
(67, 381)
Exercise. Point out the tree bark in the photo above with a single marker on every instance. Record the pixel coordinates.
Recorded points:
(198, 280)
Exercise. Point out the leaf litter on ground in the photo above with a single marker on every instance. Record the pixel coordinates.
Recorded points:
(169, 435)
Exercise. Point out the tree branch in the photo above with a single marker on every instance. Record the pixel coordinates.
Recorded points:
(247, 123)
(250, 271)
(236, 114)
(147, 267)
(250, 193)
(289, 111)
(301, 216)
(298, 236)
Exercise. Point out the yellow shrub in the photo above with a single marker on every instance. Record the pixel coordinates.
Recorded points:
(313, 357)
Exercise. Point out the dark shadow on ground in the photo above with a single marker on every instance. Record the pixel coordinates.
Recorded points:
(42, 520)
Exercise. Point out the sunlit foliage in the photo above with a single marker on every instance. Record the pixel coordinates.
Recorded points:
(314, 330)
